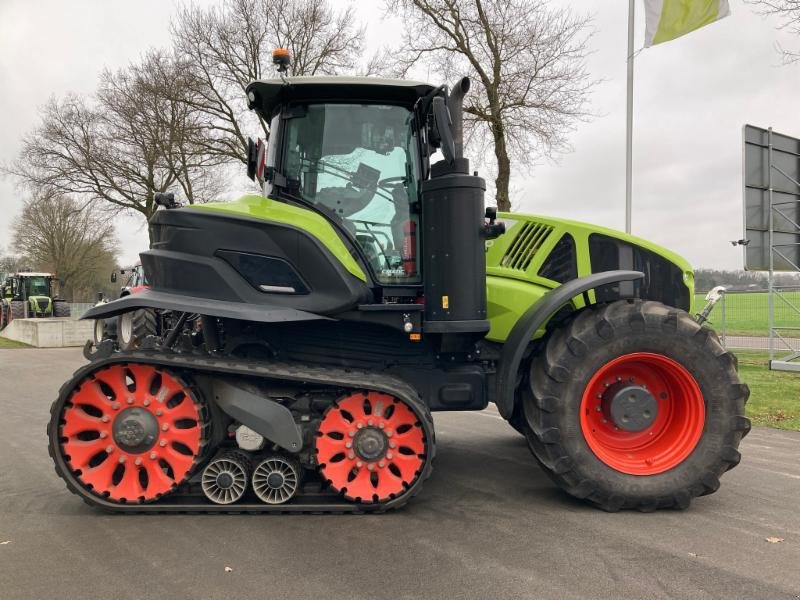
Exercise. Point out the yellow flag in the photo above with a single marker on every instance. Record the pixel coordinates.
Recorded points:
(669, 19)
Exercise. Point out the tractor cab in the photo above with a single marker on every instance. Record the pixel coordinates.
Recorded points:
(355, 149)
(358, 150)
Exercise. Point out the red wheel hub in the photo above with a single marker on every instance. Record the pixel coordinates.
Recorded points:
(642, 413)
(370, 446)
(131, 432)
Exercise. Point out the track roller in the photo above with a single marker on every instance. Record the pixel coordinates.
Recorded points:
(276, 479)
(225, 478)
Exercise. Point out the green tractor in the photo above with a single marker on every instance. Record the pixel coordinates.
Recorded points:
(319, 324)
(28, 295)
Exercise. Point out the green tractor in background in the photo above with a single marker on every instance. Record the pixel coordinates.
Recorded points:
(29, 295)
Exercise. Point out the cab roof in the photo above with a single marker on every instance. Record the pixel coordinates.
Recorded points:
(265, 95)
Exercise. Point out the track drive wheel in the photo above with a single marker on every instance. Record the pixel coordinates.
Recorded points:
(129, 433)
(373, 448)
(134, 326)
(635, 405)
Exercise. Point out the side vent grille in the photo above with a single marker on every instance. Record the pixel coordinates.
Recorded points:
(526, 244)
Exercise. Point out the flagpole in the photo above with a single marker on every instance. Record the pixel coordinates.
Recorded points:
(629, 121)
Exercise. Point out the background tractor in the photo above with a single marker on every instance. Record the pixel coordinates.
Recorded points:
(28, 295)
(319, 324)
(130, 328)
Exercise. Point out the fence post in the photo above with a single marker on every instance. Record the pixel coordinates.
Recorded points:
(722, 308)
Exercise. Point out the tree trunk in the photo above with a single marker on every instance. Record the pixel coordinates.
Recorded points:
(503, 178)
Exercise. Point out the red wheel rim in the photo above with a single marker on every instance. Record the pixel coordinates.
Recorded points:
(675, 429)
(370, 446)
(110, 412)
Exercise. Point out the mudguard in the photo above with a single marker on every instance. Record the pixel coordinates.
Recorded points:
(536, 316)
(272, 420)
(218, 308)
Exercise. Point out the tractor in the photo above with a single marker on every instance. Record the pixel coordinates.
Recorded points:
(130, 328)
(28, 295)
(320, 322)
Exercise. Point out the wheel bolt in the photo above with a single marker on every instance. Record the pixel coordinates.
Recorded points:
(162, 443)
(360, 425)
(351, 456)
(389, 433)
(121, 459)
(392, 445)
(598, 409)
(115, 405)
(130, 400)
(105, 419)
(103, 435)
(370, 467)
(359, 464)
(382, 464)
(348, 445)
(109, 449)
(351, 433)
(389, 455)
(370, 422)
(146, 402)
(158, 412)
(164, 427)
(152, 455)
(138, 461)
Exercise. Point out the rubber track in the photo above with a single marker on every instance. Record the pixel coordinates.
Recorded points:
(292, 372)
(566, 346)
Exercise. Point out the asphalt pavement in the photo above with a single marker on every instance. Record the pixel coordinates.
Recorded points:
(489, 524)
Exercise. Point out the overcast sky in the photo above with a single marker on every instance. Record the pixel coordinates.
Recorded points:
(692, 97)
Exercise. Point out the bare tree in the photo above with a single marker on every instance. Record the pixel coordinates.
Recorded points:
(59, 234)
(10, 263)
(228, 46)
(528, 60)
(788, 12)
(136, 137)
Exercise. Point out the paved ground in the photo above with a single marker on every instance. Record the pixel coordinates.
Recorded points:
(749, 342)
(488, 524)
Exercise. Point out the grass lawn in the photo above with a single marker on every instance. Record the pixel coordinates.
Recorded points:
(774, 395)
(6, 343)
(748, 314)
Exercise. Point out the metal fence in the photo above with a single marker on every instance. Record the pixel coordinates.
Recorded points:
(742, 319)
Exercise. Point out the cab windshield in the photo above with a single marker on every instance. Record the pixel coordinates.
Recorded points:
(37, 286)
(359, 161)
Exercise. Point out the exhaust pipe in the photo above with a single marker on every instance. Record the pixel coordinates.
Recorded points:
(455, 102)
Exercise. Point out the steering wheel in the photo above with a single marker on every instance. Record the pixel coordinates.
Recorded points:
(385, 183)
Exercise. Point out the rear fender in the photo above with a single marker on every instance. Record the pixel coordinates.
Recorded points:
(534, 318)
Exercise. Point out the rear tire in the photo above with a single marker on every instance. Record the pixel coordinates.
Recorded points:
(697, 423)
(61, 308)
(134, 326)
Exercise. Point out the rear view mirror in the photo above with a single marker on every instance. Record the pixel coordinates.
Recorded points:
(252, 156)
(441, 117)
(256, 159)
